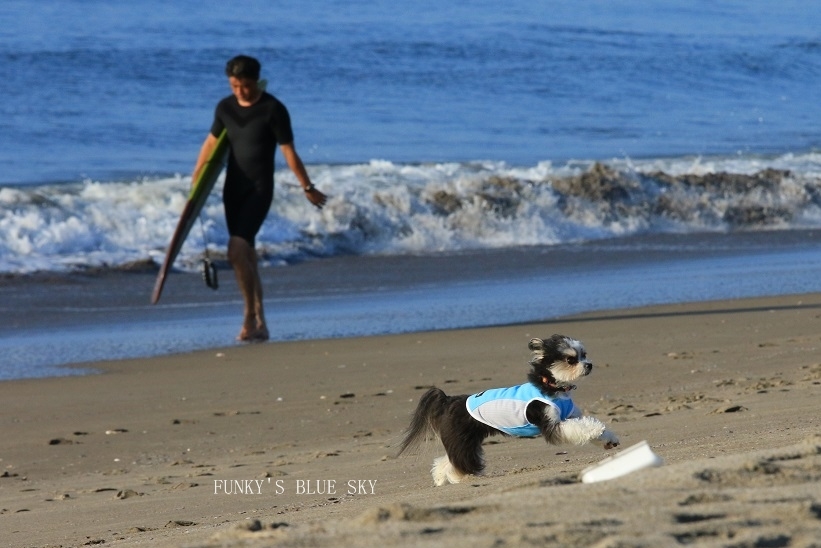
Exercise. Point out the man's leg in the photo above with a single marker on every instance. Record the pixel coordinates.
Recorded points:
(243, 258)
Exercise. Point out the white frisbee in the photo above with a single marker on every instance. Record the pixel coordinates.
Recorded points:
(635, 457)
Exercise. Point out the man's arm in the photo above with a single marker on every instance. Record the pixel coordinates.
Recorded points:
(295, 163)
(208, 147)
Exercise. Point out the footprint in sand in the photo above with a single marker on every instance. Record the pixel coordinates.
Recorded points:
(180, 523)
(729, 409)
(705, 498)
(813, 373)
(60, 441)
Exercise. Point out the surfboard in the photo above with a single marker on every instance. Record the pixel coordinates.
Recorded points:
(196, 200)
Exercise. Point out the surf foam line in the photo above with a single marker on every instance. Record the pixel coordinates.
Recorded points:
(386, 208)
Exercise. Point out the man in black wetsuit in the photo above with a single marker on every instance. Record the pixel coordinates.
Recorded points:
(256, 123)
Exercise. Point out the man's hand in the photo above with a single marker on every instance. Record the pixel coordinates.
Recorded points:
(293, 160)
(315, 196)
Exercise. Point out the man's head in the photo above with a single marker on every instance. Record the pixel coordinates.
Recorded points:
(243, 77)
(243, 67)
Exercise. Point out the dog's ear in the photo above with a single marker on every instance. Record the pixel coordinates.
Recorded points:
(536, 346)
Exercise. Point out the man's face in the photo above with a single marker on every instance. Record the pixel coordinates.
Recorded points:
(245, 90)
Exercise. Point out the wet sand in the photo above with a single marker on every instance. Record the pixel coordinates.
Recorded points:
(293, 443)
(48, 320)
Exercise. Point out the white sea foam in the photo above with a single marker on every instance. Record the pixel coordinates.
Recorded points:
(382, 207)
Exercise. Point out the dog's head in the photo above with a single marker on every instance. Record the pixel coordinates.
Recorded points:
(557, 362)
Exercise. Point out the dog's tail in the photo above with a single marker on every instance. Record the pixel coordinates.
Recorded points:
(425, 419)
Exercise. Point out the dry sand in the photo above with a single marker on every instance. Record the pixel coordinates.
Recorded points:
(155, 452)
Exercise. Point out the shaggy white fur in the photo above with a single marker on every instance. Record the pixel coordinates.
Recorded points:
(443, 472)
(581, 430)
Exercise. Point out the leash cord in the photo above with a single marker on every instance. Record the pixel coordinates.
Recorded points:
(209, 270)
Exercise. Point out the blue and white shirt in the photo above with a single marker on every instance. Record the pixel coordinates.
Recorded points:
(506, 408)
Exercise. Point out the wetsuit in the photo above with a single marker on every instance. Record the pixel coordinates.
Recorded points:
(253, 133)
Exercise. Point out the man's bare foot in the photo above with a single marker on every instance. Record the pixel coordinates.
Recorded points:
(257, 334)
(261, 334)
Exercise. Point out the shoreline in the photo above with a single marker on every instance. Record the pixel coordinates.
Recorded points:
(53, 320)
(134, 456)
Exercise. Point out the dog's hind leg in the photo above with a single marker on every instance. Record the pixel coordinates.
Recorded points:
(444, 472)
(464, 455)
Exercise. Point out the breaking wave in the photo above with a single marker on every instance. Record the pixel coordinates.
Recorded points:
(386, 208)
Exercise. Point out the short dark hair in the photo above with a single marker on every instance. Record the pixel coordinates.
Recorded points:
(243, 66)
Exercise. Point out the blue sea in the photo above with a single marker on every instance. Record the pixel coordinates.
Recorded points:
(644, 132)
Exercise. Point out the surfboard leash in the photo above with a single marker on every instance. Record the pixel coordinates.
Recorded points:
(209, 269)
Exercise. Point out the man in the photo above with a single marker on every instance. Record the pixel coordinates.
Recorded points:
(256, 122)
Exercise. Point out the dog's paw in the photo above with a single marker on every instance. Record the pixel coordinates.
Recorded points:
(443, 472)
(608, 439)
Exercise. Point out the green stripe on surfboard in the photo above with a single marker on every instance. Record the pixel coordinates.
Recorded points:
(211, 170)
(206, 180)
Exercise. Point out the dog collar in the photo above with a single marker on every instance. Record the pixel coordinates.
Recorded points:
(558, 387)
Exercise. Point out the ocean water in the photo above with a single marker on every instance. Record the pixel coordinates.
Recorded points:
(434, 128)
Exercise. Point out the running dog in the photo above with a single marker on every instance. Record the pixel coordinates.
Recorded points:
(540, 407)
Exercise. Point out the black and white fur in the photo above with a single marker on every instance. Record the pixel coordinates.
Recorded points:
(556, 362)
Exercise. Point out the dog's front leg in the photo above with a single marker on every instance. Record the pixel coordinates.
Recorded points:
(607, 439)
(579, 431)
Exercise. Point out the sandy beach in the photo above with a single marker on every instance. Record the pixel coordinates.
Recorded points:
(643, 177)
(293, 444)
